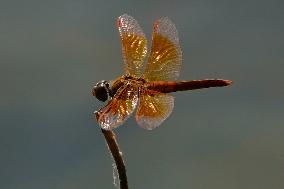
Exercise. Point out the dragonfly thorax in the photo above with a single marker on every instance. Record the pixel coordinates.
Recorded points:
(123, 80)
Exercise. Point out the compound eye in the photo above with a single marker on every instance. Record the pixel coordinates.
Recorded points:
(100, 92)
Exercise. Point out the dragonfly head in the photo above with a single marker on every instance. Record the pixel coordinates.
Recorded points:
(101, 90)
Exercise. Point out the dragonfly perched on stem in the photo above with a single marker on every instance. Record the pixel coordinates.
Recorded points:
(146, 88)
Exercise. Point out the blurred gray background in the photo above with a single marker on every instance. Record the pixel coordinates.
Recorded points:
(53, 52)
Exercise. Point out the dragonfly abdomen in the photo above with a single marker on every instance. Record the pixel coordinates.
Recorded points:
(170, 86)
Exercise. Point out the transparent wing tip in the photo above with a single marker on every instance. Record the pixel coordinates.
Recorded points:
(125, 18)
(167, 28)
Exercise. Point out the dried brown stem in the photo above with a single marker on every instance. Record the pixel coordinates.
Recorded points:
(117, 156)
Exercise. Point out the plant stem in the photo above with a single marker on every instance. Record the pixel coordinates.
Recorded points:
(117, 156)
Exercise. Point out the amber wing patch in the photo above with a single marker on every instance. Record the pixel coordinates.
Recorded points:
(154, 107)
(119, 108)
(134, 44)
(165, 58)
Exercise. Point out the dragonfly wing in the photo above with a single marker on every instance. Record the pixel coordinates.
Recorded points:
(154, 107)
(134, 44)
(119, 107)
(165, 58)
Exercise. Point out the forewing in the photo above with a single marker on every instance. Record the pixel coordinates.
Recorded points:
(154, 107)
(119, 107)
(134, 44)
(165, 58)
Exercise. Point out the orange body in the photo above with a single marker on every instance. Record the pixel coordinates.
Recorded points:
(169, 86)
(172, 86)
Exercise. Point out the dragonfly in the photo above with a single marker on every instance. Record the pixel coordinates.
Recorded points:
(146, 87)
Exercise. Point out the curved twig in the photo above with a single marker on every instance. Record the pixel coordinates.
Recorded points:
(117, 156)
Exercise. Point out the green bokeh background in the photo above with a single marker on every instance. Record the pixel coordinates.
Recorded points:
(53, 52)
